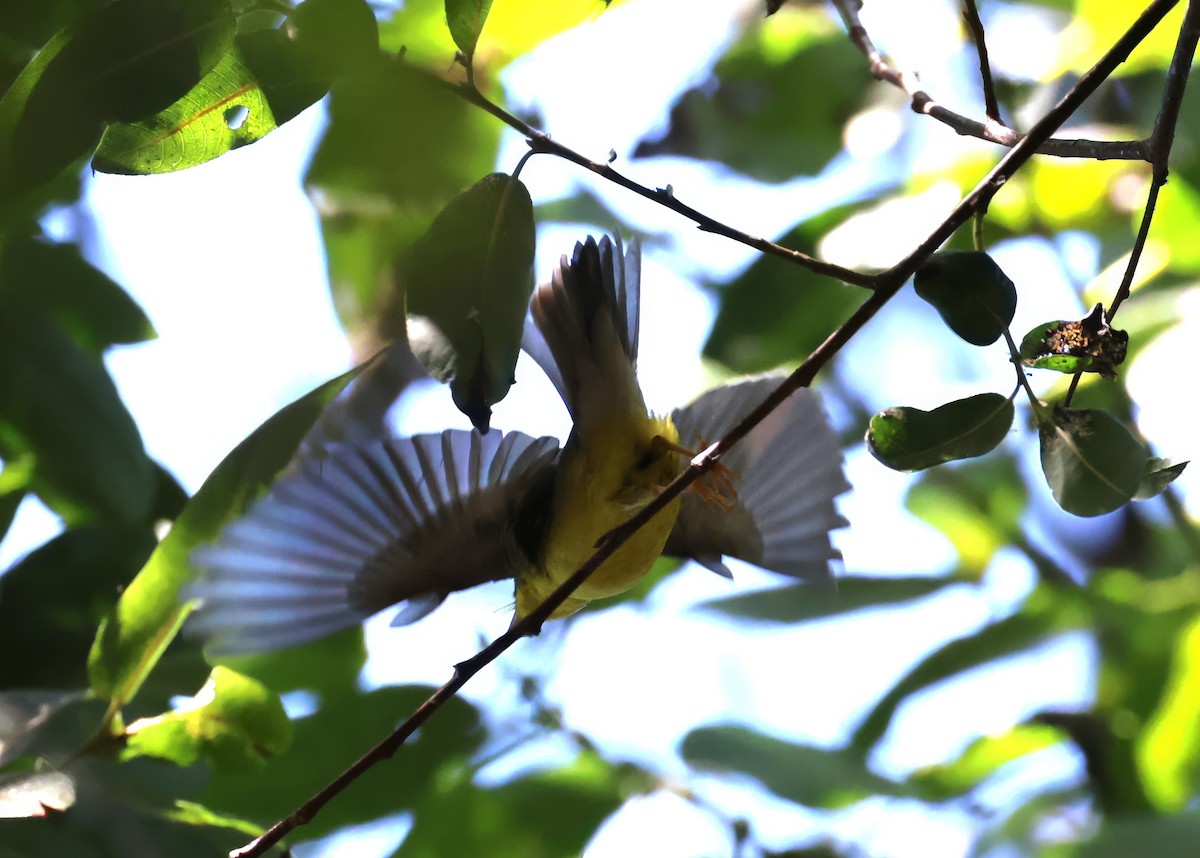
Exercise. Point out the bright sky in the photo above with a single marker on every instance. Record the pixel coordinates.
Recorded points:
(245, 326)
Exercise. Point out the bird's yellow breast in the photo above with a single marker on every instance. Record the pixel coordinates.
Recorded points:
(604, 478)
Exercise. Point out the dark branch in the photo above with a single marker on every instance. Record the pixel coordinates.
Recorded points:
(543, 143)
(991, 105)
(992, 130)
(1159, 146)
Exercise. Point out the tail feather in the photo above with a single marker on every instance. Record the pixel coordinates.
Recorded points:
(589, 301)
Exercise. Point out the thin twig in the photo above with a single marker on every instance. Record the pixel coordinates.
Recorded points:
(992, 131)
(991, 105)
(543, 143)
(887, 285)
(1159, 147)
(1163, 137)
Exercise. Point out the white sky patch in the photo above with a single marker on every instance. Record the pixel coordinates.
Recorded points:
(872, 132)
(662, 824)
(884, 234)
(1021, 43)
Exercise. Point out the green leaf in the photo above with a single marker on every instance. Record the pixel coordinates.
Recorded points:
(815, 777)
(58, 404)
(776, 313)
(1168, 749)
(1087, 345)
(465, 19)
(381, 184)
(288, 76)
(1000, 639)
(470, 278)
(225, 110)
(234, 722)
(909, 439)
(123, 62)
(1092, 463)
(980, 760)
(149, 614)
(91, 308)
(746, 115)
(335, 36)
(35, 794)
(1160, 473)
(328, 667)
(569, 803)
(1160, 836)
(973, 296)
(977, 506)
(339, 732)
(801, 603)
(16, 475)
(191, 813)
(53, 598)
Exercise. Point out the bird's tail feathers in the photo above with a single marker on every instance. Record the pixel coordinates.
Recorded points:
(586, 318)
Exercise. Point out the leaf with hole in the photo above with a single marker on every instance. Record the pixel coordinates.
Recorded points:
(973, 296)
(909, 439)
(470, 277)
(1089, 344)
(1092, 463)
(225, 110)
(122, 62)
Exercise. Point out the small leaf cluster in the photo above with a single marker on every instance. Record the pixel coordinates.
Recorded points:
(1092, 463)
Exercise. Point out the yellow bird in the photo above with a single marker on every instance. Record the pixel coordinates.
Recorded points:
(407, 521)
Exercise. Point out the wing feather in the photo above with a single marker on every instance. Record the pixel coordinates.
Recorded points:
(361, 527)
(788, 473)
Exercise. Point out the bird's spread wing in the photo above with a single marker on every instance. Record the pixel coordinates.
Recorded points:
(787, 472)
(361, 527)
(590, 304)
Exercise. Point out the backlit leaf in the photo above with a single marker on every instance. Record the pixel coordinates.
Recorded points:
(123, 62)
(1092, 463)
(233, 722)
(225, 110)
(909, 439)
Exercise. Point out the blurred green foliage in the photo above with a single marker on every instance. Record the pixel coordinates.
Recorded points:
(96, 760)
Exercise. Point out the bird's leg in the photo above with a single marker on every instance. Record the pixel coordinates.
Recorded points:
(715, 487)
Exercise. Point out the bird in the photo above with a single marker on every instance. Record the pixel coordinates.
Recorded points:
(353, 529)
